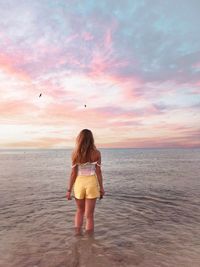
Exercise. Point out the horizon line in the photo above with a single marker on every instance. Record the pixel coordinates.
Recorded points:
(60, 148)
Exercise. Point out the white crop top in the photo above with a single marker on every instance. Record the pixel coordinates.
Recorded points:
(87, 168)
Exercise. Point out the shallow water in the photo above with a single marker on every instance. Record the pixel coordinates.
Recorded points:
(149, 216)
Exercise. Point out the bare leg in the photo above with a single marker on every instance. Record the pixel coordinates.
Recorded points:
(89, 213)
(79, 215)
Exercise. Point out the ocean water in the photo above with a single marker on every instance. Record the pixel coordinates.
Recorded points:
(149, 217)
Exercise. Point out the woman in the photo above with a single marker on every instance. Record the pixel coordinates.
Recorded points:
(86, 180)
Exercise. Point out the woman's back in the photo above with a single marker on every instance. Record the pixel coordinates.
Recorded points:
(87, 168)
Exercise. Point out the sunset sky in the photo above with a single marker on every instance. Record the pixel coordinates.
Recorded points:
(135, 64)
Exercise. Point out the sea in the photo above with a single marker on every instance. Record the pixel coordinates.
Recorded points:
(149, 216)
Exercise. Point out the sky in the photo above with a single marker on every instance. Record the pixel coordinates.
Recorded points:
(134, 64)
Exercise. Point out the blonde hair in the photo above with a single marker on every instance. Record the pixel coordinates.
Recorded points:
(84, 147)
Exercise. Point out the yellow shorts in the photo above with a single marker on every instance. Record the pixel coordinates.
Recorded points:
(86, 187)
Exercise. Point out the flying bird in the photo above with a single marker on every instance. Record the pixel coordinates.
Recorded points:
(40, 95)
(85, 106)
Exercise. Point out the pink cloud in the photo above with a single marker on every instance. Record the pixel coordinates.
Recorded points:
(187, 141)
(108, 39)
(67, 113)
(196, 65)
(103, 60)
(51, 87)
(44, 142)
(98, 65)
(87, 36)
(15, 108)
(71, 38)
(9, 64)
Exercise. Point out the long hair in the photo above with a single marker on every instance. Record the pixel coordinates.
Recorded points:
(84, 147)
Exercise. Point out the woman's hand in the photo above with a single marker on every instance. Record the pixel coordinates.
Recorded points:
(68, 195)
(102, 192)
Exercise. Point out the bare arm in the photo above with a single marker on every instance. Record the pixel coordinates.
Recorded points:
(72, 178)
(99, 174)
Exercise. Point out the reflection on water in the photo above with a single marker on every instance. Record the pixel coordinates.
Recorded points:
(149, 216)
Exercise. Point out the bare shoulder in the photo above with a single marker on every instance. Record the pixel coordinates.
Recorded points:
(96, 155)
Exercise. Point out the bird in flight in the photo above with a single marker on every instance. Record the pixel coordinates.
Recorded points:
(40, 95)
(85, 106)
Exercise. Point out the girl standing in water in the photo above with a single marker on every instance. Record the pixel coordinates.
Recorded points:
(86, 180)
